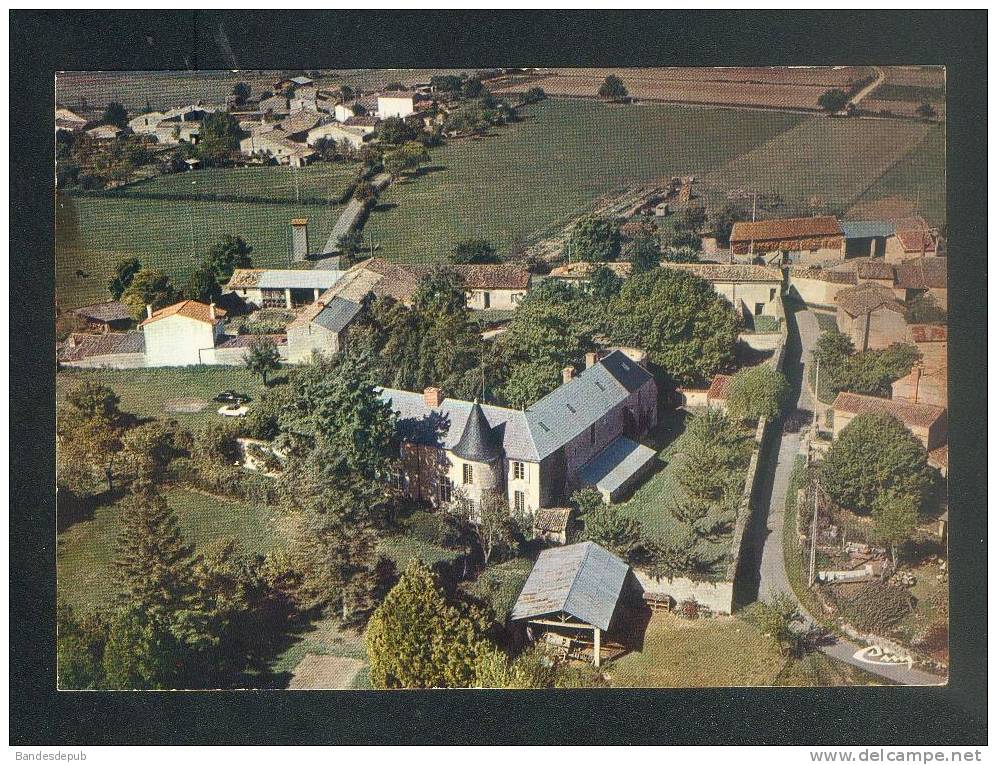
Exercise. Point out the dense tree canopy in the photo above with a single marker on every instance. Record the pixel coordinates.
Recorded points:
(832, 101)
(115, 114)
(594, 239)
(759, 392)
(474, 251)
(149, 287)
(873, 455)
(124, 271)
(612, 88)
(686, 328)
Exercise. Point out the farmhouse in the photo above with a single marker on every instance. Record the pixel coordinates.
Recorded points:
(583, 433)
(923, 276)
(182, 334)
(395, 104)
(275, 143)
(366, 105)
(105, 132)
(753, 290)
(321, 328)
(293, 83)
(66, 119)
(927, 382)
(818, 286)
(104, 317)
(789, 240)
(278, 104)
(281, 288)
(115, 350)
(871, 316)
(570, 591)
(352, 135)
(927, 422)
(913, 238)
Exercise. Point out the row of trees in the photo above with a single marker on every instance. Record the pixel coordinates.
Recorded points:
(138, 287)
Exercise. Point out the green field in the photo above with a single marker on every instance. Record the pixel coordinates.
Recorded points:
(890, 91)
(85, 550)
(837, 160)
(324, 180)
(537, 175)
(93, 233)
(150, 392)
(919, 177)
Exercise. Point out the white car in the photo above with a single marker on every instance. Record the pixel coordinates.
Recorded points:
(233, 410)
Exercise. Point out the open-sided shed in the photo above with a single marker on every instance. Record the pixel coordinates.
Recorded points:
(577, 587)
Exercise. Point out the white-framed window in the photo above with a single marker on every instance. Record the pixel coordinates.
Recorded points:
(468, 473)
(519, 501)
(519, 471)
(446, 489)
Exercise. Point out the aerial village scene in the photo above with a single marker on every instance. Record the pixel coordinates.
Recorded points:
(505, 378)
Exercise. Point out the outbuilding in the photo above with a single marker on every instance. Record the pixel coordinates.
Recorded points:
(572, 593)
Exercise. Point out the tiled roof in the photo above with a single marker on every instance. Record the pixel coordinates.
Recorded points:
(583, 580)
(719, 388)
(582, 269)
(192, 309)
(867, 297)
(81, 346)
(723, 272)
(785, 228)
(552, 520)
(875, 268)
(915, 235)
(916, 415)
(243, 278)
(502, 276)
(300, 122)
(923, 273)
(104, 312)
(364, 121)
(929, 333)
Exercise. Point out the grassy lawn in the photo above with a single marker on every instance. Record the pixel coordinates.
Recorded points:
(324, 637)
(92, 234)
(838, 160)
(535, 176)
(683, 653)
(500, 584)
(85, 550)
(651, 503)
(148, 392)
(919, 178)
(326, 180)
(417, 538)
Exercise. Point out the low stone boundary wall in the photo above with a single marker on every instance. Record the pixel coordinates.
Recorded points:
(110, 361)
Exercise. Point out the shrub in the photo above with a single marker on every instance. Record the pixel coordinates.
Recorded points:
(757, 393)
(689, 608)
(877, 607)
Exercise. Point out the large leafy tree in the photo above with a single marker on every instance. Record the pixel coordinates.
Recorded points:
(686, 328)
(604, 284)
(263, 357)
(756, 393)
(723, 220)
(89, 428)
(80, 649)
(528, 382)
(833, 100)
(148, 287)
(115, 114)
(873, 455)
(405, 159)
(895, 519)
(227, 254)
(442, 290)
(418, 639)
(594, 239)
(219, 138)
(612, 88)
(202, 285)
(607, 525)
(646, 252)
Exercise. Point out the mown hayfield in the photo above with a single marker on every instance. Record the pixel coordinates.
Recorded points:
(918, 178)
(93, 233)
(85, 550)
(537, 175)
(323, 180)
(835, 159)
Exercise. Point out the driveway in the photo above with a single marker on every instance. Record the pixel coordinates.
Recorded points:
(766, 542)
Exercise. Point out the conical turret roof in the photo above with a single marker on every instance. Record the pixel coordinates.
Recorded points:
(478, 442)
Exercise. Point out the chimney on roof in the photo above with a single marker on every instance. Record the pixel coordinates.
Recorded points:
(299, 239)
(567, 374)
(433, 397)
(591, 358)
(211, 311)
(148, 311)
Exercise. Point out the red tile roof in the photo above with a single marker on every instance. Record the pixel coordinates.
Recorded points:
(719, 388)
(785, 228)
(723, 272)
(923, 273)
(110, 311)
(867, 297)
(914, 235)
(929, 333)
(916, 415)
(192, 309)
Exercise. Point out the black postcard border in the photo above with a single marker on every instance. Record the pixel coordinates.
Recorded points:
(43, 42)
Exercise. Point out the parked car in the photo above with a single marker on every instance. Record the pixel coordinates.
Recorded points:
(232, 397)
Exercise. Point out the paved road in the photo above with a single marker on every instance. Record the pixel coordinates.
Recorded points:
(349, 215)
(767, 538)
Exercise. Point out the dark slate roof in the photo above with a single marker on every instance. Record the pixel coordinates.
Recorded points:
(583, 580)
(532, 434)
(337, 315)
(867, 229)
(616, 464)
(478, 443)
(82, 346)
(567, 411)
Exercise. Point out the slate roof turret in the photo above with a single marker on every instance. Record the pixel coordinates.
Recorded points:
(478, 443)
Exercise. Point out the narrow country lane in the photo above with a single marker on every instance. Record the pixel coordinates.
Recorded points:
(765, 544)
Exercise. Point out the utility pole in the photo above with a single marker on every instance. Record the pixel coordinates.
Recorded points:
(816, 395)
(190, 220)
(813, 541)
